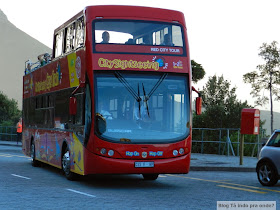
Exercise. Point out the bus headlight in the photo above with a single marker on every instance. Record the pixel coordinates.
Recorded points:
(111, 152)
(103, 151)
(175, 152)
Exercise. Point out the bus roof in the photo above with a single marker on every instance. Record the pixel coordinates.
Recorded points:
(129, 12)
(135, 12)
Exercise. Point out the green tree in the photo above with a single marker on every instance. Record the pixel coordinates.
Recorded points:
(9, 112)
(197, 71)
(222, 108)
(266, 78)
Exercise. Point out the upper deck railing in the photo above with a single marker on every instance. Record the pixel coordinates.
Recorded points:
(43, 59)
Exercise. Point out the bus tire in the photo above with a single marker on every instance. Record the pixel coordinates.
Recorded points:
(150, 176)
(34, 162)
(66, 164)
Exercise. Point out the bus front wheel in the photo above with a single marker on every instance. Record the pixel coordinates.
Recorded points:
(66, 165)
(150, 176)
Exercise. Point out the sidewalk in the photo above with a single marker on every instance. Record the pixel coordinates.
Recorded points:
(209, 162)
(10, 143)
(203, 162)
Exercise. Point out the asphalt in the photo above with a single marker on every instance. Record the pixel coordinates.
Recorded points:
(203, 162)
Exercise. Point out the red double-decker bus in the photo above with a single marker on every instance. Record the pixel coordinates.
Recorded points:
(114, 97)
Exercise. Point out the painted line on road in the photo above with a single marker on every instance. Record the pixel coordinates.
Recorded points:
(239, 188)
(228, 183)
(23, 177)
(20, 156)
(75, 191)
(162, 176)
(9, 155)
(259, 188)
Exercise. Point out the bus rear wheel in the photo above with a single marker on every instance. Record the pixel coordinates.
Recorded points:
(150, 176)
(34, 162)
(66, 165)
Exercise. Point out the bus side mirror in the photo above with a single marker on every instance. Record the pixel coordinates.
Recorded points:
(198, 105)
(73, 106)
(100, 124)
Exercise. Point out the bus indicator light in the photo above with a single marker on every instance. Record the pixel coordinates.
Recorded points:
(181, 151)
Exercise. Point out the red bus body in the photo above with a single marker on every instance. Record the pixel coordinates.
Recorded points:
(46, 93)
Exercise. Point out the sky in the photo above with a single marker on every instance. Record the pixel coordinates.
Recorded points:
(224, 36)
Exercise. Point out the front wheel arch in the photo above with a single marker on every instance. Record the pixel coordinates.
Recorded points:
(66, 162)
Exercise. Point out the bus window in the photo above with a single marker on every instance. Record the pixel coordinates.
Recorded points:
(80, 33)
(58, 44)
(143, 106)
(166, 36)
(156, 37)
(61, 115)
(146, 39)
(115, 37)
(138, 32)
(177, 36)
(70, 38)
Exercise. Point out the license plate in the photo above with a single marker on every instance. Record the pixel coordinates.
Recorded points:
(144, 164)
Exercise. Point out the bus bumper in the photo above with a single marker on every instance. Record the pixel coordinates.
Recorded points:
(96, 164)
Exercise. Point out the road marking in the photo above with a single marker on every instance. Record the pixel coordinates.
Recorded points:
(162, 176)
(239, 188)
(9, 155)
(259, 188)
(23, 177)
(75, 191)
(223, 182)
(20, 156)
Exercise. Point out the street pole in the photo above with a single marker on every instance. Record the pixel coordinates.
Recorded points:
(241, 149)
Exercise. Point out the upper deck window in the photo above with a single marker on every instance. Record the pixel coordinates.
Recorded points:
(70, 38)
(136, 34)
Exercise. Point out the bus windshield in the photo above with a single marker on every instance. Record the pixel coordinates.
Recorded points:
(137, 33)
(143, 108)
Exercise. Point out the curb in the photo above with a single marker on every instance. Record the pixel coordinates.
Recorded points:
(229, 169)
(10, 144)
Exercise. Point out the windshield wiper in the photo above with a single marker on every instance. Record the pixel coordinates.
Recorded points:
(135, 95)
(130, 89)
(156, 86)
(128, 86)
(139, 105)
(146, 100)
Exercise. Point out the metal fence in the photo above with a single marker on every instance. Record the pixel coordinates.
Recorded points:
(225, 141)
(222, 141)
(8, 133)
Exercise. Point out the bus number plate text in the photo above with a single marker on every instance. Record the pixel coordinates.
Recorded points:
(144, 164)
